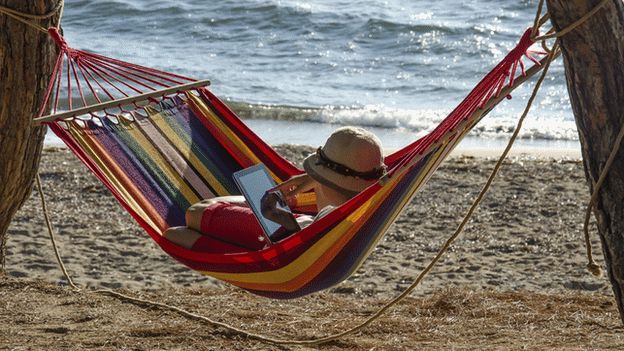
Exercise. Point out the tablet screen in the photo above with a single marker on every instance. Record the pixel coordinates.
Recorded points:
(253, 182)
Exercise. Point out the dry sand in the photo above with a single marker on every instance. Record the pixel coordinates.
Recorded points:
(515, 278)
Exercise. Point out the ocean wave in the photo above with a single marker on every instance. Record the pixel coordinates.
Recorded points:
(500, 125)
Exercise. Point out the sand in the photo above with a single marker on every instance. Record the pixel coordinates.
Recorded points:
(524, 243)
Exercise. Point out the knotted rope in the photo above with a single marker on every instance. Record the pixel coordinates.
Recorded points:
(30, 19)
(572, 26)
(554, 52)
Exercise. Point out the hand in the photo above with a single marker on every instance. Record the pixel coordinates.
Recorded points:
(268, 204)
(269, 209)
(295, 185)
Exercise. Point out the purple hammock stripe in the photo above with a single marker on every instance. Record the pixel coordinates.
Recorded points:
(142, 178)
(144, 152)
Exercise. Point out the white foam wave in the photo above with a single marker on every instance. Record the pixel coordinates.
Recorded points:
(544, 125)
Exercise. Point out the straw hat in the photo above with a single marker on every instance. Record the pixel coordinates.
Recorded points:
(350, 161)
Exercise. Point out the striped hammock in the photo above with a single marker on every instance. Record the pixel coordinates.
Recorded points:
(161, 142)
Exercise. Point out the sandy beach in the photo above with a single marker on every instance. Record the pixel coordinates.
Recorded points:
(522, 252)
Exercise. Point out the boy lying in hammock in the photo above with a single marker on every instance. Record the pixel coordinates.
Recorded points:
(350, 161)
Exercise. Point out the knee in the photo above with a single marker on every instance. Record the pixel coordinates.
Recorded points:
(205, 203)
(196, 211)
(201, 206)
(182, 236)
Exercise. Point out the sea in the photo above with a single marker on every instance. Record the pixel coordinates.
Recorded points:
(296, 70)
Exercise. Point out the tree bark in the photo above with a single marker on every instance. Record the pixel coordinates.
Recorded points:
(27, 59)
(594, 59)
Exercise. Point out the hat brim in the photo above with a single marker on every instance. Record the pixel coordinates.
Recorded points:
(346, 184)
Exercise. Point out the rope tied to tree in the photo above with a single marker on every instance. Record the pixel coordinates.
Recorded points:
(572, 26)
(29, 18)
(592, 266)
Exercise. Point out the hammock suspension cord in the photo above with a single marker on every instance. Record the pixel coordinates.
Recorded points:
(572, 26)
(551, 55)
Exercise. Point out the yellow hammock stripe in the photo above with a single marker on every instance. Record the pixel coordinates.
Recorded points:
(86, 145)
(163, 165)
(185, 150)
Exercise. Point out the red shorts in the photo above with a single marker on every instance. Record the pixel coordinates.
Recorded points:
(229, 228)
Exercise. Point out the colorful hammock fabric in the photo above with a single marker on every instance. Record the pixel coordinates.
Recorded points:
(160, 158)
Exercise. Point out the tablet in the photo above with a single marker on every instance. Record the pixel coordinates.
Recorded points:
(253, 182)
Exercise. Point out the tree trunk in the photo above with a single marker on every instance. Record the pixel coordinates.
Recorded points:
(594, 59)
(26, 61)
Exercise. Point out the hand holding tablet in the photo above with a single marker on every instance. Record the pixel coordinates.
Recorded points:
(265, 200)
(274, 207)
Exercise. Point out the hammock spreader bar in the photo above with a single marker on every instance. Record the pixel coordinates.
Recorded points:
(121, 102)
(159, 158)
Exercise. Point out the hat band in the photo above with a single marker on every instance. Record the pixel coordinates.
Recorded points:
(339, 168)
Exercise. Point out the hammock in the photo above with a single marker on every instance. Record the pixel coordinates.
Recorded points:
(161, 142)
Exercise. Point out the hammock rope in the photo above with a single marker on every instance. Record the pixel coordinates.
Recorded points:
(552, 54)
(537, 24)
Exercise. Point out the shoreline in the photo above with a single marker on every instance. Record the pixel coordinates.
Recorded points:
(299, 133)
(571, 154)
